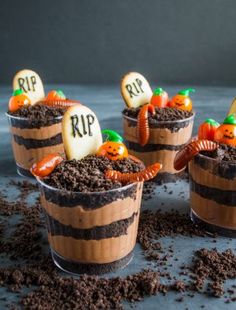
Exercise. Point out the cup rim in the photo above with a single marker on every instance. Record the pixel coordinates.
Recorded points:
(163, 122)
(215, 160)
(20, 118)
(39, 180)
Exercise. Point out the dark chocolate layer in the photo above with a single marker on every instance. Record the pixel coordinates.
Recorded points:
(26, 124)
(115, 229)
(35, 144)
(152, 147)
(224, 169)
(231, 233)
(91, 268)
(91, 200)
(220, 196)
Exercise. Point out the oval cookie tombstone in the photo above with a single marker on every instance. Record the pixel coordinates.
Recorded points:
(31, 84)
(232, 109)
(135, 90)
(81, 132)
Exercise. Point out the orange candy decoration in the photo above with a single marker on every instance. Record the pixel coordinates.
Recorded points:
(182, 100)
(207, 129)
(55, 95)
(46, 165)
(143, 131)
(159, 98)
(148, 173)
(113, 149)
(57, 99)
(226, 134)
(18, 100)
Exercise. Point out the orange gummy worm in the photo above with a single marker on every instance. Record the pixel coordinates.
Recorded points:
(60, 103)
(192, 149)
(148, 173)
(143, 130)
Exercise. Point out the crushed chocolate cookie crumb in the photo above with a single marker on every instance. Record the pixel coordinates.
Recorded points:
(48, 290)
(24, 242)
(223, 152)
(149, 190)
(153, 226)
(38, 114)
(179, 286)
(213, 265)
(25, 188)
(162, 114)
(41, 272)
(216, 288)
(88, 174)
(90, 292)
(9, 208)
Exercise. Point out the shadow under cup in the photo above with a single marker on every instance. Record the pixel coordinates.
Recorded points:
(32, 141)
(166, 139)
(213, 194)
(92, 232)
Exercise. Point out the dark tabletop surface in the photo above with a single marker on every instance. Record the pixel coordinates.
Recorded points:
(107, 103)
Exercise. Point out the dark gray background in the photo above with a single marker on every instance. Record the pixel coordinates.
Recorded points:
(97, 41)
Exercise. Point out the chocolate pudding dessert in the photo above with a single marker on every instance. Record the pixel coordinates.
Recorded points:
(213, 189)
(92, 221)
(36, 132)
(170, 129)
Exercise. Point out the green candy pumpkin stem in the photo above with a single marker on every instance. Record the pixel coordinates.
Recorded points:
(17, 92)
(231, 120)
(112, 135)
(61, 94)
(212, 122)
(158, 91)
(186, 92)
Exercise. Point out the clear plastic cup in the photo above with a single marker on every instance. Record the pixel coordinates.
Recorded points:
(213, 194)
(166, 139)
(32, 141)
(92, 232)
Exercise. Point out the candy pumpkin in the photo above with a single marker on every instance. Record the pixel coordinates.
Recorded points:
(18, 100)
(226, 133)
(113, 148)
(182, 100)
(159, 98)
(55, 95)
(207, 129)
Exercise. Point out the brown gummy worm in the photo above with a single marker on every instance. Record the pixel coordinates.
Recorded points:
(148, 173)
(192, 149)
(143, 130)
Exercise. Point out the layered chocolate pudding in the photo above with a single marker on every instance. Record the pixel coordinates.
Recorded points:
(170, 130)
(36, 132)
(213, 189)
(91, 220)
